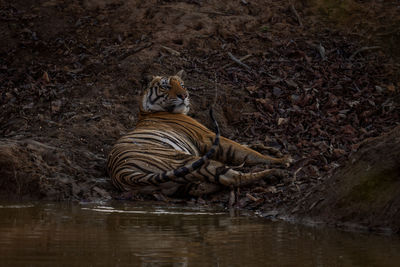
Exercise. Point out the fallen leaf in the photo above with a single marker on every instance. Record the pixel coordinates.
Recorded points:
(348, 129)
(291, 83)
(391, 88)
(251, 89)
(282, 121)
(45, 77)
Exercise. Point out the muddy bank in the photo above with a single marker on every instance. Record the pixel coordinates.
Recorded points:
(365, 192)
(71, 73)
(33, 170)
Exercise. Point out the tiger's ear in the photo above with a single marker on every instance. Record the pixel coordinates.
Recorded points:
(180, 74)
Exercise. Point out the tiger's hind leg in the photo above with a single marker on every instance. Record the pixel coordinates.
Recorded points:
(230, 177)
(270, 150)
(217, 173)
(137, 169)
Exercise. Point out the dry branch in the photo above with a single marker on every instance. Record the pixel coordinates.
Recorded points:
(171, 51)
(238, 61)
(321, 51)
(135, 50)
(362, 49)
(296, 14)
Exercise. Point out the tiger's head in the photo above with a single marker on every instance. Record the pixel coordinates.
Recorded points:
(166, 94)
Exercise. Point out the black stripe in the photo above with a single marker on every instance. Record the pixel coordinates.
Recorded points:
(136, 160)
(197, 164)
(121, 168)
(209, 174)
(210, 153)
(181, 172)
(164, 177)
(177, 122)
(155, 100)
(144, 182)
(158, 178)
(151, 93)
(221, 152)
(153, 181)
(205, 177)
(228, 156)
(126, 177)
(140, 140)
(214, 121)
(216, 141)
(156, 164)
(220, 171)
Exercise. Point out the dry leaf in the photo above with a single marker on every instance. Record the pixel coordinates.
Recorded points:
(282, 121)
(45, 77)
(391, 88)
(251, 89)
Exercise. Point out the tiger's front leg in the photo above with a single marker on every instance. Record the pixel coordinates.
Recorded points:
(233, 153)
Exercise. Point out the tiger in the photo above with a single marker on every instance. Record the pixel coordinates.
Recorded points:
(169, 152)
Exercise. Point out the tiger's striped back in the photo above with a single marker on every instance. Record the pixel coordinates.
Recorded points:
(166, 154)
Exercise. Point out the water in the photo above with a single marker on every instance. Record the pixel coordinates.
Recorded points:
(124, 234)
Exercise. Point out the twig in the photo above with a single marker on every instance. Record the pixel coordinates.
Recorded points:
(362, 49)
(216, 91)
(232, 197)
(17, 181)
(315, 203)
(215, 13)
(296, 14)
(321, 51)
(133, 51)
(171, 51)
(252, 198)
(295, 173)
(238, 61)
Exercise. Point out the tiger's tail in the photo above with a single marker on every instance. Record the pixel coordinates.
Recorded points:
(184, 170)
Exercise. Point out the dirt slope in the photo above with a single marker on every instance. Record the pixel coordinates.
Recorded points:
(365, 193)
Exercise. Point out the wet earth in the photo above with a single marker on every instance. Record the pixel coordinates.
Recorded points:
(313, 82)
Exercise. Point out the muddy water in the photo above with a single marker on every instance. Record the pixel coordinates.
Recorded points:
(122, 234)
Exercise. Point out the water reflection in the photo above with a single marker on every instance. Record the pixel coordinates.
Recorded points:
(124, 234)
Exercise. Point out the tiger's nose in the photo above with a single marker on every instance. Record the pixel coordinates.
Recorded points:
(182, 96)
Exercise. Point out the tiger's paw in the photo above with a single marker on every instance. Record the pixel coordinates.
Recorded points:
(285, 161)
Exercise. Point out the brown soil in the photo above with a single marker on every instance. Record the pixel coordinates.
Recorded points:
(71, 73)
